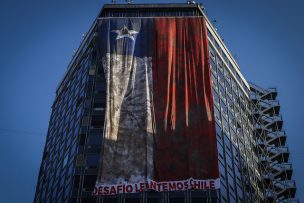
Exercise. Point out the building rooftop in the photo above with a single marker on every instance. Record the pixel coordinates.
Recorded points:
(151, 6)
(190, 9)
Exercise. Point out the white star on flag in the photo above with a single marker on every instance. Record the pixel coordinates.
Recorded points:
(125, 32)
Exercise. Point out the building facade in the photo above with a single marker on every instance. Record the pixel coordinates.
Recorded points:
(252, 157)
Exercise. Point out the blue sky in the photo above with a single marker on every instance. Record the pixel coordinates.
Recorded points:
(37, 39)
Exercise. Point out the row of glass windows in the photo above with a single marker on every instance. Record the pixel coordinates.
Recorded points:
(223, 59)
(232, 113)
(55, 179)
(236, 102)
(90, 137)
(153, 197)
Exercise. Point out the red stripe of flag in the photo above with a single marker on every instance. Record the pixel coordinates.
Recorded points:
(183, 104)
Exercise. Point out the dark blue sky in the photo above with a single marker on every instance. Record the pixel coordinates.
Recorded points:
(37, 39)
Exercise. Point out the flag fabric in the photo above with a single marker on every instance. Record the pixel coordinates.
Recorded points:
(127, 151)
(159, 130)
(185, 132)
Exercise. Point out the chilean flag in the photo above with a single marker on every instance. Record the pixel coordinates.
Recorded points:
(159, 124)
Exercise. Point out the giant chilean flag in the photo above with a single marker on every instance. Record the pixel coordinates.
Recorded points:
(159, 130)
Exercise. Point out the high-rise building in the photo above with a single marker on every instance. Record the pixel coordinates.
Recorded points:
(252, 157)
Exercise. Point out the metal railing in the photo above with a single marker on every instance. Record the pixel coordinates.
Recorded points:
(273, 155)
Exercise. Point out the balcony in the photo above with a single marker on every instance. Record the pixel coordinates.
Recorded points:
(267, 107)
(271, 94)
(258, 90)
(285, 188)
(277, 138)
(274, 123)
(282, 171)
(279, 154)
(264, 94)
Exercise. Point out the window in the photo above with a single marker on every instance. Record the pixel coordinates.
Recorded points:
(213, 79)
(100, 86)
(222, 170)
(85, 121)
(225, 58)
(99, 105)
(65, 160)
(227, 142)
(237, 174)
(218, 47)
(92, 71)
(95, 139)
(222, 91)
(97, 122)
(229, 162)
(217, 114)
(228, 88)
(224, 107)
(231, 182)
(229, 103)
(61, 183)
(135, 200)
(92, 160)
(218, 129)
(220, 150)
(82, 139)
(67, 190)
(80, 160)
(109, 200)
(212, 64)
(87, 103)
(210, 37)
(89, 181)
(76, 181)
(221, 77)
(225, 126)
(232, 198)
(223, 191)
